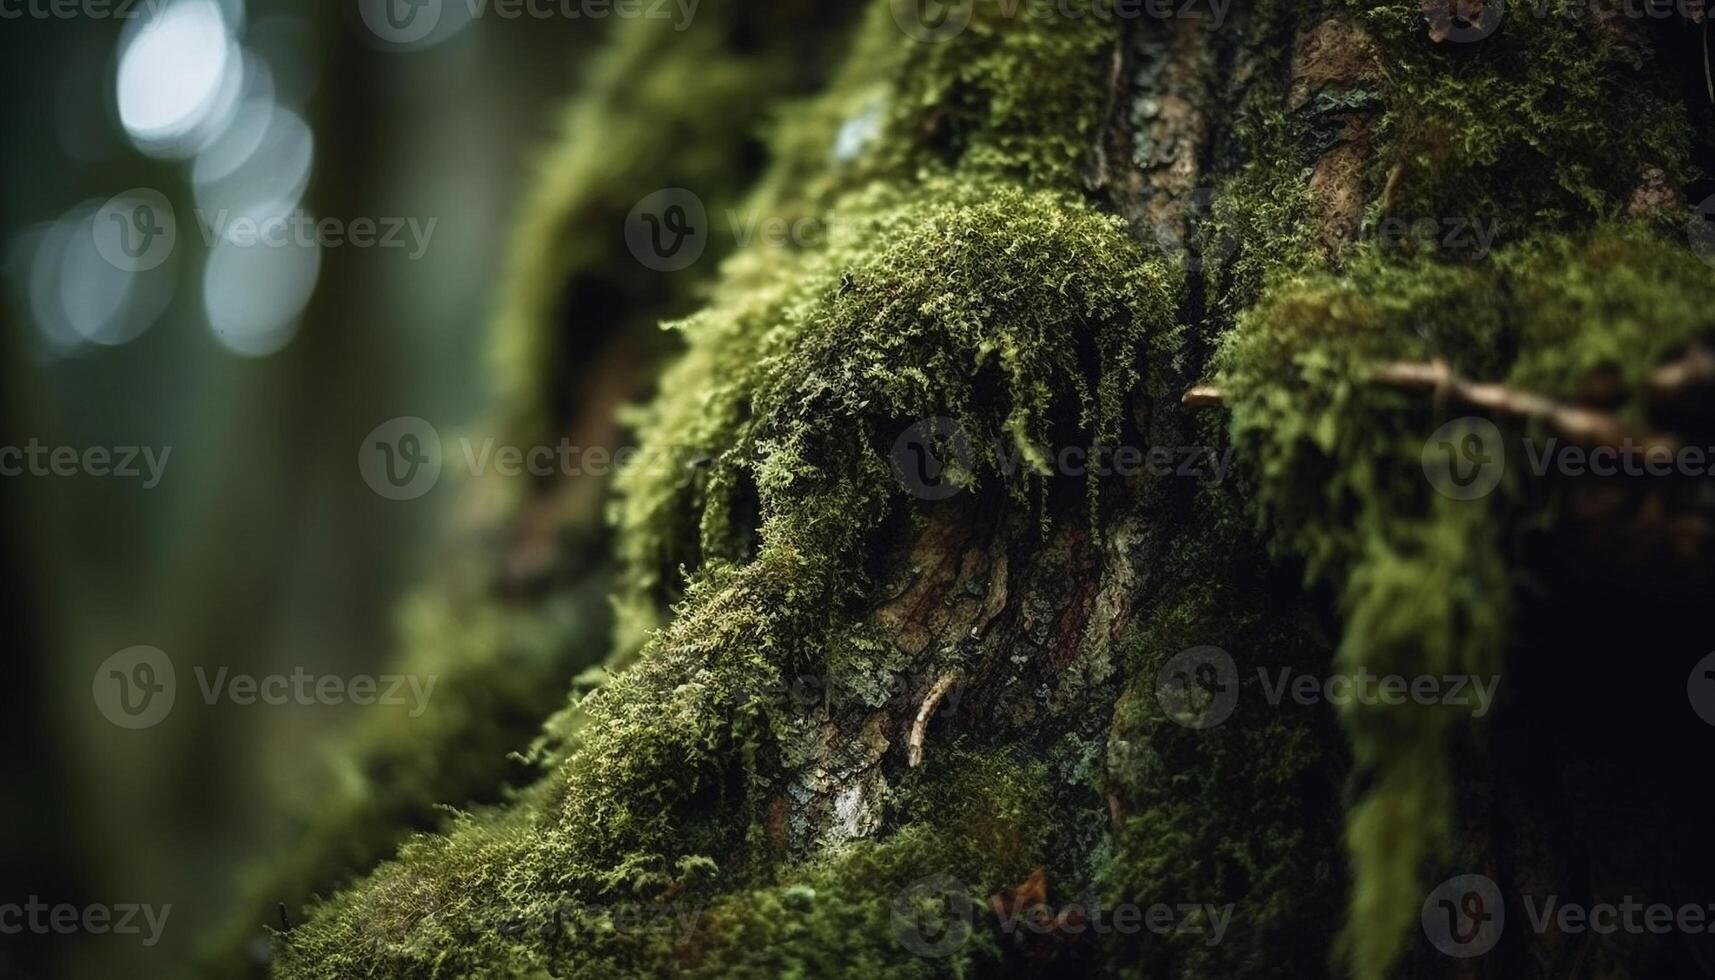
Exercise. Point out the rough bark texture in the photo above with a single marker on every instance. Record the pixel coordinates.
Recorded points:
(836, 705)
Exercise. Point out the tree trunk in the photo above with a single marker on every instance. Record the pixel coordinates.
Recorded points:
(1008, 564)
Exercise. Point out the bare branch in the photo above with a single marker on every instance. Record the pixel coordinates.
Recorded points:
(1581, 425)
(927, 708)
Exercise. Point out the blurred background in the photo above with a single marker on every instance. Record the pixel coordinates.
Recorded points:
(254, 373)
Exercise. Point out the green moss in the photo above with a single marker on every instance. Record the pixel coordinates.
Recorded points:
(673, 108)
(1019, 311)
(998, 104)
(1576, 103)
(961, 272)
(1423, 581)
(442, 910)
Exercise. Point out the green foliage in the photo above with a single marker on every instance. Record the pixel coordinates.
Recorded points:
(1552, 122)
(1423, 581)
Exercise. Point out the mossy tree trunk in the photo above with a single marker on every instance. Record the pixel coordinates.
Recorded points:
(845, 696)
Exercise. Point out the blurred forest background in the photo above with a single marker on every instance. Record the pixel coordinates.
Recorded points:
(261, 549)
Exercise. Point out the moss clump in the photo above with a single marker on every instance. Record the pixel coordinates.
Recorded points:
(1569, 97)
(1001, 104)
(1424, 581)
(976, 826)
(1014, 311)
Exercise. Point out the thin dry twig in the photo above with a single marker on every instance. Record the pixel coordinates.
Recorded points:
(1202, 396)
(1581, 425)
(1694, 368)
(931, 701)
